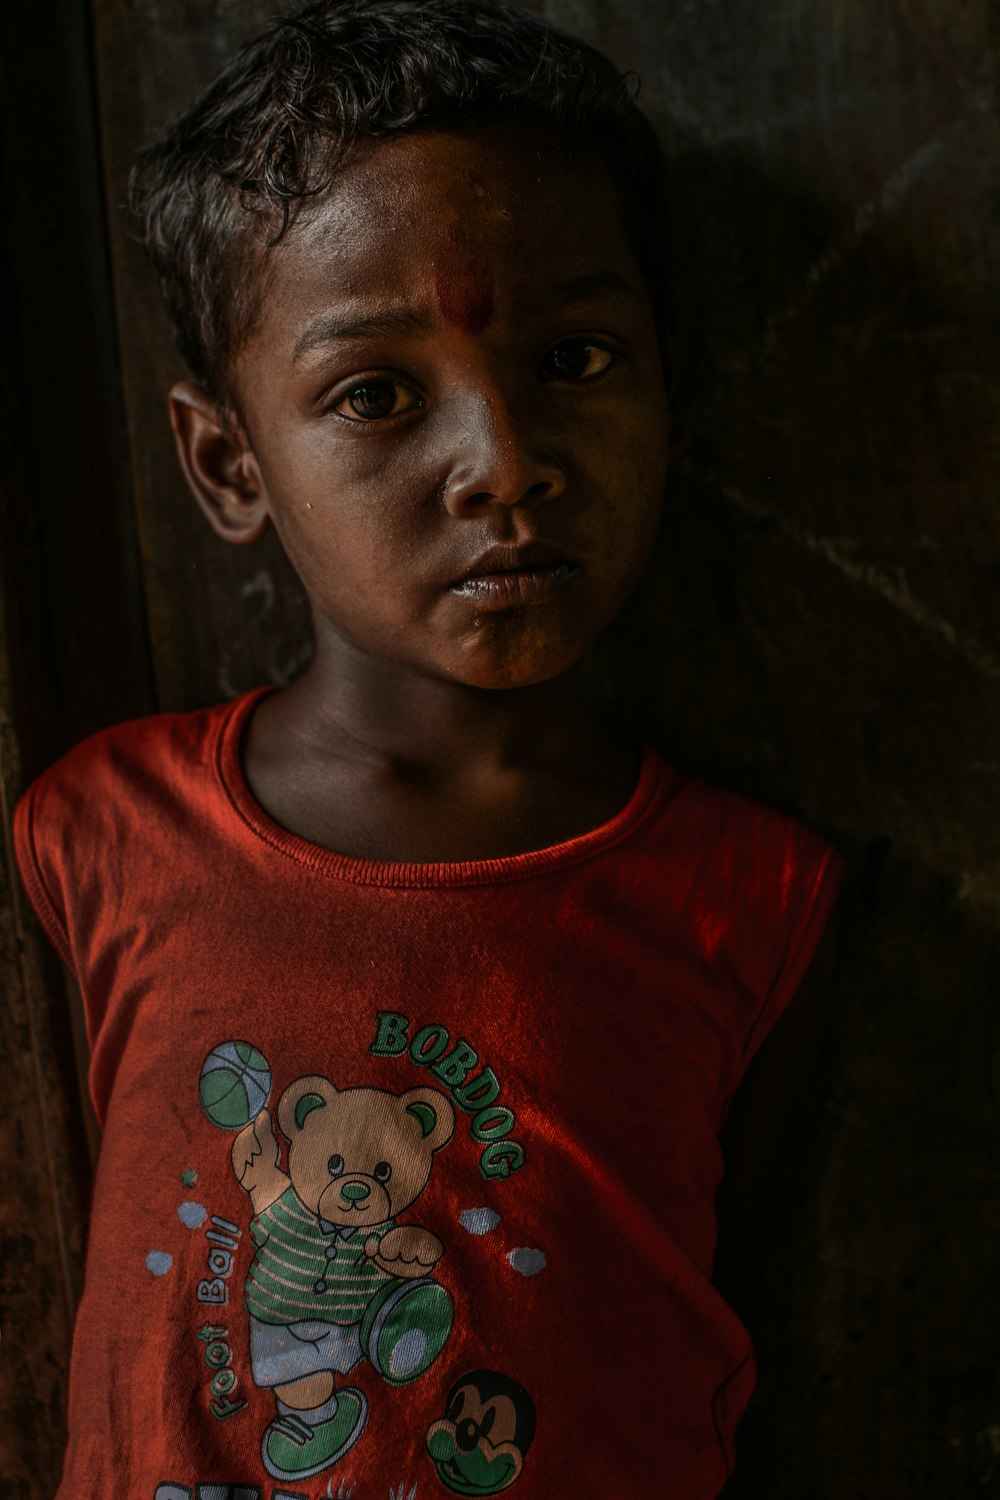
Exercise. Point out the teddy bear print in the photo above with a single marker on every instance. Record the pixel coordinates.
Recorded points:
(335, 1279)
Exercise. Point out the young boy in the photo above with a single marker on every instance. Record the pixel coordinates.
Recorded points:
(415, 999)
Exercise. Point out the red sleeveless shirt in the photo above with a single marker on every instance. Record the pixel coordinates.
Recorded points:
(408, 1171)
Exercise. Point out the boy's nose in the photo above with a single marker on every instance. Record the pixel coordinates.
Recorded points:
(500, 462)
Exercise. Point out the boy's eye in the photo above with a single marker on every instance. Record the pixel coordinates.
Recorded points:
(375, 399)
(577, 359)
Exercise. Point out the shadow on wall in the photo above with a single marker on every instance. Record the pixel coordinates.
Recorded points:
(818, 629)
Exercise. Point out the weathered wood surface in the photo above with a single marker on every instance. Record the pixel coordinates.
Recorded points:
(820, 629)
(221, 619)
(72, 657)
(44, 1179)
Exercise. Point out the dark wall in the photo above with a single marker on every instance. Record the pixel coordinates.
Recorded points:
(824, 632)
(819, 629)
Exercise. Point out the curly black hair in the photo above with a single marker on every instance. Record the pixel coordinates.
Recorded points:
(227, 179)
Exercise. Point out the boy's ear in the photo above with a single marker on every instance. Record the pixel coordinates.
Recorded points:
(219, 465)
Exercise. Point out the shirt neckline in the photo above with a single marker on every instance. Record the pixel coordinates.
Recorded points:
(652, 781)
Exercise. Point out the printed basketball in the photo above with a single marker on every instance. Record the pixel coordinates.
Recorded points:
(235, 1084)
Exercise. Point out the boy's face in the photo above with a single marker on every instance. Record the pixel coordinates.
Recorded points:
(454, 406)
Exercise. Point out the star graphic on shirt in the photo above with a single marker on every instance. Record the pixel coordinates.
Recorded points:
(189, 1177)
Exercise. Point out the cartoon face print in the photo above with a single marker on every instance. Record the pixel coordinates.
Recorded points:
(480, 1445)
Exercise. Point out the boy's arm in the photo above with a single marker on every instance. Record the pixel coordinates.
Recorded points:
(771, 1126)
(81, 1053)
(772, 1145)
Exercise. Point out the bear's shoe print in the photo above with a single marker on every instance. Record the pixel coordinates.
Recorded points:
(295, 1449)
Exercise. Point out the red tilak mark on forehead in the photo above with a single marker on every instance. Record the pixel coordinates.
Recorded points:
(465, 293)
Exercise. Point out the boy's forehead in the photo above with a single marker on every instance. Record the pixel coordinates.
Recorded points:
(487, 176)
(420, 210)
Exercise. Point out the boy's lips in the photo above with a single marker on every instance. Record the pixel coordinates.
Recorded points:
(505, 577)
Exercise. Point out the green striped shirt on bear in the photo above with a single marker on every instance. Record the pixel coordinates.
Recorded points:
(292, 1260)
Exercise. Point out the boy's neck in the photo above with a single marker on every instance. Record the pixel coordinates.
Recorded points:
(351, 704)
(370, 759)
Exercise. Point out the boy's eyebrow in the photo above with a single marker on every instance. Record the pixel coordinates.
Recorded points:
(332, 329)
(329, 330)
(579, 287)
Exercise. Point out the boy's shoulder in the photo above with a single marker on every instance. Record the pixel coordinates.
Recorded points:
(128, 775)
(111, 810)
(750, 884)
(733, 832)
(144, 754)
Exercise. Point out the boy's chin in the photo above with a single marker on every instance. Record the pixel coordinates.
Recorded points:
(495, 669)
